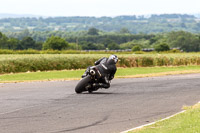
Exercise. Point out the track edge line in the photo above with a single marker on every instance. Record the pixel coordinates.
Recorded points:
(132, 129)
(152, 122)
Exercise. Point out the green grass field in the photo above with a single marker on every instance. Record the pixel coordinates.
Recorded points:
(76, 74)
(187, 122)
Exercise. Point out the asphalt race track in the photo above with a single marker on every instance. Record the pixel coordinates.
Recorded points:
(54, 107)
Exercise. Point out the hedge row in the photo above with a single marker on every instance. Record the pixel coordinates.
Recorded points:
(32, 51)
(24, 63)
(43, 64)
(158, 61)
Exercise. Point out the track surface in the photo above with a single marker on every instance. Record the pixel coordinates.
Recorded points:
(53, 107)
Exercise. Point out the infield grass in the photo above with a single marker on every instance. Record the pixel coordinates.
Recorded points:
(76, 74)
(187, 122)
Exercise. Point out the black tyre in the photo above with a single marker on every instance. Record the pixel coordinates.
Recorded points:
(80, 87)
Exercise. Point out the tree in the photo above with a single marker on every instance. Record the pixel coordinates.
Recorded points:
(162, 47)
(154, 39)
(184, 40)
(113, 46)
(27, 43)
(100, 46)
(55, 43)
(23, 34)
(3, 41)
(107, 41)
(93, 31)
(13, 43)
(73, 46)
(89, 46)
(124, 30)
(136, 48)
(38, 45)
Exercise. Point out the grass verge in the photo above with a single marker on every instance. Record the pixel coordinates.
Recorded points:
(187, 122)
(121, 73)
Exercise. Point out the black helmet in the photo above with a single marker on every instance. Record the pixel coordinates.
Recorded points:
(113, 58)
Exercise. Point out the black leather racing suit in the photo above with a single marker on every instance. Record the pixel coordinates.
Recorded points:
(107, 68)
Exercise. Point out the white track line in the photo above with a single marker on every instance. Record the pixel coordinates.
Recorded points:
(152, 122)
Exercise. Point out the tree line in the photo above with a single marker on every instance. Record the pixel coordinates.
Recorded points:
(135, 24)
(94, 39)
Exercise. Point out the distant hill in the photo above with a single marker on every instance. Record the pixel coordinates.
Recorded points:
(134, 24)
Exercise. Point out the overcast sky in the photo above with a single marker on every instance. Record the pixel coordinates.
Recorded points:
(98, 7)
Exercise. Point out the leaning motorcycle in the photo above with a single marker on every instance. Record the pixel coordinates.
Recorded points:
(86, 83)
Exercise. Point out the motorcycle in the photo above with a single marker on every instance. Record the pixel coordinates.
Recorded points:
(87, 82)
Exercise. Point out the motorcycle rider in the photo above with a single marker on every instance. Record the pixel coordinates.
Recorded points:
(107, 68)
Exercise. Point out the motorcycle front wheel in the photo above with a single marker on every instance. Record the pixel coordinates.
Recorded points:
(80, 87)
